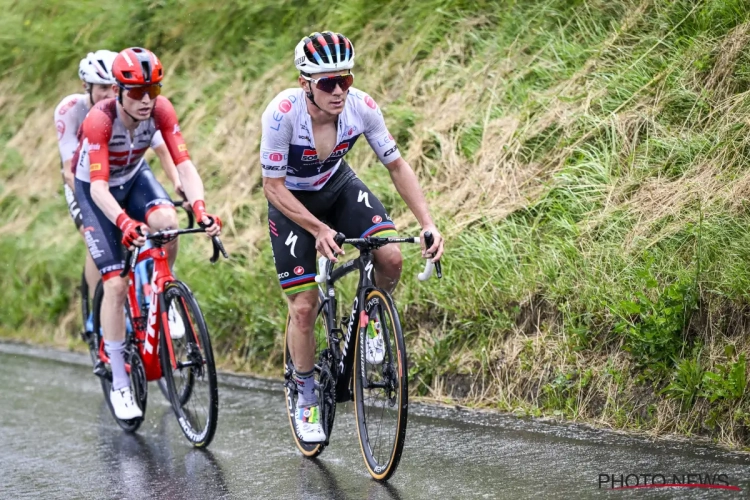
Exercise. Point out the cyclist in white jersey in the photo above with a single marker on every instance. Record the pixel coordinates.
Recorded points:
(313, 194)
(95, 72)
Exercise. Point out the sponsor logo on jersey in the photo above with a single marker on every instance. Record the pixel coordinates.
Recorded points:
(377, 219)
(182, 147)
(309, 155)
(384, 141)
(176, 129)
(274, 156)
(299, 270)
(68, 106)
(285, 106)
(95, 147)
(60, 128)
(370, 102)
(322, 179)
(340, 150)
(391, 151)
(95, 167)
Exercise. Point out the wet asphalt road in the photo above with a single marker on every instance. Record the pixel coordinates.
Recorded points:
(58, 440)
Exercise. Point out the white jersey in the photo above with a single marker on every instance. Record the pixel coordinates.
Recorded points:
(287, 147)
(69, 115)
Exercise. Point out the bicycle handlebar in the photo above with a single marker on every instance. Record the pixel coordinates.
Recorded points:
(375, 242)
(132, 255)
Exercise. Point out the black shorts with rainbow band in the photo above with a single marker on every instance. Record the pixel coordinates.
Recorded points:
(345, 204)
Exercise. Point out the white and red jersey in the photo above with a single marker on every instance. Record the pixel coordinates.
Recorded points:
(69, 115)
(108, 151)
(287, 146)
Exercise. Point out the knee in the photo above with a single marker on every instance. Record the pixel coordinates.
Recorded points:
(116, 288)
(303, 307)
(162, 218)
(389, 259)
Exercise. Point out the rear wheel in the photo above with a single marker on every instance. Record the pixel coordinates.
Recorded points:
(191, 380)
(324, 380)
(381, 391)
(137, 373)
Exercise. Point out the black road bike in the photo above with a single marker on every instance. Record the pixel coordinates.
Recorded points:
(342, 372)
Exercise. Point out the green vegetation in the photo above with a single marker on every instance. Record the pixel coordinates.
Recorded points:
(587, 161)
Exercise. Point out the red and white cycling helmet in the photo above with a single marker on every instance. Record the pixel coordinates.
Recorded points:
(96, 68)
(324, 52)
(137, 66)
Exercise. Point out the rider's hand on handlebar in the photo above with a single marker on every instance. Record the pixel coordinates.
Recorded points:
(436, 250)
(212, 223)
(133, 232)
(325, 244)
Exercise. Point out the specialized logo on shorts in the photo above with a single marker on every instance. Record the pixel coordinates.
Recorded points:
(291, 240)
(285, 106)
(60, 128)
(377, 219)
(364, 195)
(299, 270)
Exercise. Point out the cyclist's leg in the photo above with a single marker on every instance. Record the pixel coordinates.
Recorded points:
(148, 202)
(90, 271)
(102, 238)
(358, 213)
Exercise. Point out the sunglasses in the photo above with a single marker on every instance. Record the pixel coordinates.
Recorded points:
(328, 84)
(137, 93)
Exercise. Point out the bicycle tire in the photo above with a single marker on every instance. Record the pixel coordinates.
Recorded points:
(309, 450)
(392, 374)
(200, 375)
(137, 374)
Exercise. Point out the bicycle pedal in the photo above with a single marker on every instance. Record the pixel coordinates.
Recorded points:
(100, 370)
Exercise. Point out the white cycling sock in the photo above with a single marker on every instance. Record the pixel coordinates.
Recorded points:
(115, 350)
(305, 388)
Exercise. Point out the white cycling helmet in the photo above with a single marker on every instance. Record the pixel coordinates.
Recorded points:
(323, 53)
(96, 68)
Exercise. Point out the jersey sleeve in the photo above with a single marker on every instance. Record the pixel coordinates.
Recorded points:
(376, 133)
(276, 136)
(157, 140)
(67, 131)
(165, 119)
(96, 131)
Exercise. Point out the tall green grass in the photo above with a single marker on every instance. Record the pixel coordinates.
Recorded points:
(633, 255)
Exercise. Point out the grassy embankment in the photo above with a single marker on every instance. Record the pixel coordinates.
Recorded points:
(587, 161)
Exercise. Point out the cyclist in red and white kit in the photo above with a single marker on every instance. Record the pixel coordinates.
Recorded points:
(313, 193)
(95, 72)
(119, 196)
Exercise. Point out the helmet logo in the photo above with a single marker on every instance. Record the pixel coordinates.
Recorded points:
(127, 58)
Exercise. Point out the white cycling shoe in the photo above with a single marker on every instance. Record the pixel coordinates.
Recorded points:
(307, 422)
(176, 325)
(124, 405)
(375, 348)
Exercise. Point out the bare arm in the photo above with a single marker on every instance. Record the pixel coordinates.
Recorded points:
(407, 185)
(280, 197)
(191, 181)
(70, 179)
(105, 201)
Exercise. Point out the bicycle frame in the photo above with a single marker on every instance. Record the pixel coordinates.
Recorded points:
(343, 356)
(146, 333)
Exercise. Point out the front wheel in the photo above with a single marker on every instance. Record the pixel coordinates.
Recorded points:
(187, 363)
(381, 389)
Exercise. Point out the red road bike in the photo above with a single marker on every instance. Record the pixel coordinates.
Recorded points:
(169, 338)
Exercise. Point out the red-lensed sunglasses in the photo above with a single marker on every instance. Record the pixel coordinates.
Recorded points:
(328, 84)
(138, 92)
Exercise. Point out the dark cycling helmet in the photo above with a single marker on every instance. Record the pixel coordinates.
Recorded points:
(324, 52)
(137, 66)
